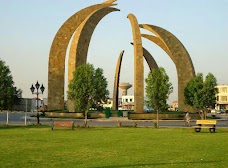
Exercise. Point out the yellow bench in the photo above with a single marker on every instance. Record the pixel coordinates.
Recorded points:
(205, 124)
(62, 124)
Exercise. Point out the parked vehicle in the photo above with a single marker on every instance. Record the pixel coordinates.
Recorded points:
(213, 111)
(218, 111)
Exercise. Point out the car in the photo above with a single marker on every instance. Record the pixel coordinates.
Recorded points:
(215, 111)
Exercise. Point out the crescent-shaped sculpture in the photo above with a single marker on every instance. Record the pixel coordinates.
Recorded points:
(149, 59)
(80, 43)
(81, 40)
(116, 82)
(159, 42)
(110, 1)
(151, 63)
(83, 24)
(56, 69)
(181, 58)
(138, 66)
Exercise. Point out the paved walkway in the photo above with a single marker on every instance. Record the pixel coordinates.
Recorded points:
(19, 119)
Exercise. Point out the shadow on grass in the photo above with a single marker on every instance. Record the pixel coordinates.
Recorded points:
(217, 131)
(4, 127)
(157, 164)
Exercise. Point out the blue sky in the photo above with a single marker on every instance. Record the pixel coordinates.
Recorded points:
(28, 27)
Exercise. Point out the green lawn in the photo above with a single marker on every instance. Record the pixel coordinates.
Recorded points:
(113, 147)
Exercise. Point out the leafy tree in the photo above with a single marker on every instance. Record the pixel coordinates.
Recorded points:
(100, 90)
(201, 94)
(9, 94)
(88, 88)
(17, 95)
(158, 89)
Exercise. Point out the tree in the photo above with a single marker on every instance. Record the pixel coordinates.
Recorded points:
(17, 96)
(201, 94)
(88, 88)
(158, 89)
(100, 90)
(8, 93)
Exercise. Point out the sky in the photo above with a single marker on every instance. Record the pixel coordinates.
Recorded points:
(28, 27)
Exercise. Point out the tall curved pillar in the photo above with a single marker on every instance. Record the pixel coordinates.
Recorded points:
(81, 40)
(56, 68)
(151, 63)
(116, 82)
(181, 58)
(138, 66)
(80, 43)
(159, 42)
(149, 59)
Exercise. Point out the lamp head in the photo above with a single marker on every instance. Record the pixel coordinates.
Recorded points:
(42, 88)
(32, 88)
(37, 85)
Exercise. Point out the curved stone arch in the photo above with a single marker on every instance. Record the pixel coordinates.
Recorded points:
(109, 1)
(81, 39)
(80, 43)
(181, 58)
(138, 66)
(159, 42)
(116, 82)
(149, 59)
(56, 69)
(151, 63)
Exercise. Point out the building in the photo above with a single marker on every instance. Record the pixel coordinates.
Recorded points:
(30, 104)
(222, 97)
(25, 104)
(124, 103)
(128, 102)
(109, 103)
(174, 106)
(40, 104)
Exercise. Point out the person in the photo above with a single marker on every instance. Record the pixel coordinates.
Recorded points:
(187, 119)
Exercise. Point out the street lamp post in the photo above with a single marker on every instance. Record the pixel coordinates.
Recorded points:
(37, 85)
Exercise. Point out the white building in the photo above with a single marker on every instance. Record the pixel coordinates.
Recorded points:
(109, 103)
(222, 97)
(174, 106)
(40, 104)
(124, 103)
(128, 102)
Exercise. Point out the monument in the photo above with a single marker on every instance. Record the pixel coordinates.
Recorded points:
(81, 26)
(177, 52)
(151, 63)
(57, 56)
(138, 66)
(116, 82)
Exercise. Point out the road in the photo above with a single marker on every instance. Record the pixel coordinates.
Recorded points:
(18, 118)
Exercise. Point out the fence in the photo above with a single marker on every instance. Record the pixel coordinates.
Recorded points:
(16, 118)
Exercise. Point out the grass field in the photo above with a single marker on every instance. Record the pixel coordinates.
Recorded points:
(113, 147)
